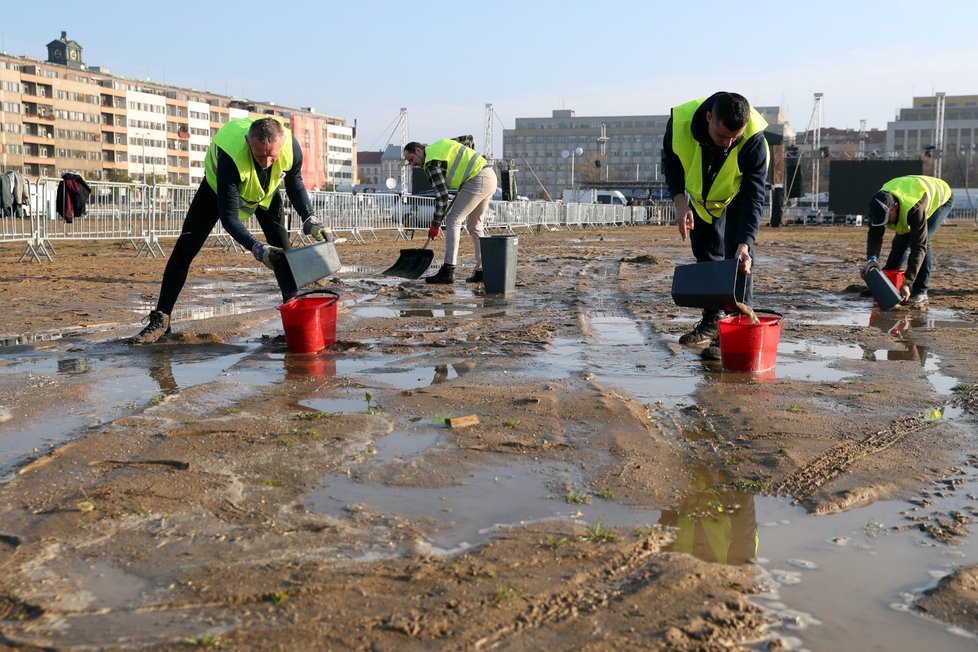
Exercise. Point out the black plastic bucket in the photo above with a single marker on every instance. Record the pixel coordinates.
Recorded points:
(886, 295)
(713, 285)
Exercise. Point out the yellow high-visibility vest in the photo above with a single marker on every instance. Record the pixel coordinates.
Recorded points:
(231, 139)
(726, 185)
(909, 190)
(463, 162)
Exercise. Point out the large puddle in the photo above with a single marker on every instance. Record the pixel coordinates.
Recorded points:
(832, 579)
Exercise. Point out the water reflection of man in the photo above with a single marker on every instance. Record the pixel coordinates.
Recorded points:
(713, 524)
(161, 371)
(441, 371)
(897, 324)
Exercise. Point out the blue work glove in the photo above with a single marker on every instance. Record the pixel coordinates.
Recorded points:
(313, 227)
(872, 263)
(268, 255)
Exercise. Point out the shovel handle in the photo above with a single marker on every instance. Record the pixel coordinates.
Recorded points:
(426, 243)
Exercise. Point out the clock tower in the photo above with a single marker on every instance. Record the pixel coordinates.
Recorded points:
(65, 52)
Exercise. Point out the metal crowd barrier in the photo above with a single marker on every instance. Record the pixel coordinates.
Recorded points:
(21, 224)
(114, 211)
(143, 215)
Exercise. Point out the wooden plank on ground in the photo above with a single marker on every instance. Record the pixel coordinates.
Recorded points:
(463, 422)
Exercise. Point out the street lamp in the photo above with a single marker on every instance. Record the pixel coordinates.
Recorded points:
(572, 155)
(142, 148)
(967, 172)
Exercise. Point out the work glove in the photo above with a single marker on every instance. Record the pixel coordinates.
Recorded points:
(313, 227)
(434, 231)
(270, 256)
(872, 263)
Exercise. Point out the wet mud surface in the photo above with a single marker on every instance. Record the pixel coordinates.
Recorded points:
(214, 489)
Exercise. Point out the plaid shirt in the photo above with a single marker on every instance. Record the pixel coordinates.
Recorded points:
(436, 174)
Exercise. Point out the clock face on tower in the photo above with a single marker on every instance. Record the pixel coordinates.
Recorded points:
(73, 54)
(58, 54)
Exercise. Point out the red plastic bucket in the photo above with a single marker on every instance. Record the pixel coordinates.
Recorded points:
(747, 347)
(895, 275)
(309, 322)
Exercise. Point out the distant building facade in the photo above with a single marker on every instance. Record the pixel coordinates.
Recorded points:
(61, 115)
(844, 143)
(368, 168)
(913, 134)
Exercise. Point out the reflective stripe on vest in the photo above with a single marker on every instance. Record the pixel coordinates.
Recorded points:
(232, 140)
(463, 162)
(726, 185)
(911, 189)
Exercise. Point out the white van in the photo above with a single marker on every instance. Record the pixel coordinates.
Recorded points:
(610, 197)
(592, 196)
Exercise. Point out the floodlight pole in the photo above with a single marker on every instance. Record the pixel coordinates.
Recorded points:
(816, 150)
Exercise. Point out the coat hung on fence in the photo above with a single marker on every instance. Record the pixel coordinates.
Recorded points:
(21, 191)
(73, 194)
(6, 194)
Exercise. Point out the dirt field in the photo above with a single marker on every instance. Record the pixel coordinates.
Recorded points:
(186, 521)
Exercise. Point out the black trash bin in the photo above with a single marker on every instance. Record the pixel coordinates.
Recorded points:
(499, 263)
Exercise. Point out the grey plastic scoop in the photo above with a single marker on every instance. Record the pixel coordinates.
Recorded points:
(311, 263)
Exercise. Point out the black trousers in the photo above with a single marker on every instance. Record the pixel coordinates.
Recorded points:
(197, 226)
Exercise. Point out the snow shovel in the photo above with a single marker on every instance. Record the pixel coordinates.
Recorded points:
(412, 263)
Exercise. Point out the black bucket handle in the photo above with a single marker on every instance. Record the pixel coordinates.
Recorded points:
(304, 293)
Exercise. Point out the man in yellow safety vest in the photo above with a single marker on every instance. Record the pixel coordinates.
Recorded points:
(453, 164)
(715, 157)
(246, 163)
(914, 207)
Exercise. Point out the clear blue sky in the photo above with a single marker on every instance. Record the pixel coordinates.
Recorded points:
(445, 60)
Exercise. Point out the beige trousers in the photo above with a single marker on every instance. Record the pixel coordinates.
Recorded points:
(471, 204)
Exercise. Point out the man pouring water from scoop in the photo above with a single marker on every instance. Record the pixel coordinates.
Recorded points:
(715, 157)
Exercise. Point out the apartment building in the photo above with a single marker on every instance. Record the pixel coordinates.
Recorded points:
(556, 153)
(61, 115)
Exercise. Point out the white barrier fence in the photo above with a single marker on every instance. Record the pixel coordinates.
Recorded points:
(141, 216)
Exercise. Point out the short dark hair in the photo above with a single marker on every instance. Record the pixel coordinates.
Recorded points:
(266, 130)
(732, 110)
(410, 147)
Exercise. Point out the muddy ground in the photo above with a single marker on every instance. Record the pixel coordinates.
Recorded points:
(186, 522)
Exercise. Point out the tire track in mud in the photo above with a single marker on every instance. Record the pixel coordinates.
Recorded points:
(802, 483)
(595, 590)
(806, 480)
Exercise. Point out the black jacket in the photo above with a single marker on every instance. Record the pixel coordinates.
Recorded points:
(73, 194)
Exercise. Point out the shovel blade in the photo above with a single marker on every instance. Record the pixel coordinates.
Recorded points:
(411, 264)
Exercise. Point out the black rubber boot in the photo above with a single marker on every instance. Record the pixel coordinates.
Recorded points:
(476, 277)
(445, 275)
